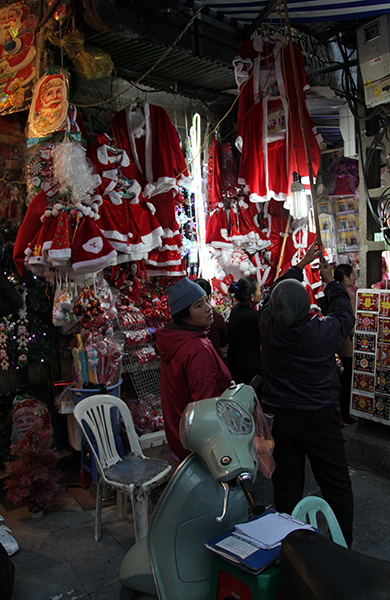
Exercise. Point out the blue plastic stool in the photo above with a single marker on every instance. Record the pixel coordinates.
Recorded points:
(87, 462)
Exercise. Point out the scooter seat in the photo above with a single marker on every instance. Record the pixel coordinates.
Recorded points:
(315, 568)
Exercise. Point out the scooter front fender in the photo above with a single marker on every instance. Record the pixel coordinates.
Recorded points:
(184, 519)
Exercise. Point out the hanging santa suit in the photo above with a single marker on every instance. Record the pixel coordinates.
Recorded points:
(253, 238)
(214, 175)
(269, 133)
(272, 222)
(297, 244)
(146, 133)
(217, 228)
(126, 220)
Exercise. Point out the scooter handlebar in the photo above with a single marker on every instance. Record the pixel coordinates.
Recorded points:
(245, 482)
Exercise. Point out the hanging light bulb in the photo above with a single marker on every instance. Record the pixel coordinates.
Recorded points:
(299, 201)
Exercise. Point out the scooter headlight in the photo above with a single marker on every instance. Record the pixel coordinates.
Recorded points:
(186, 423)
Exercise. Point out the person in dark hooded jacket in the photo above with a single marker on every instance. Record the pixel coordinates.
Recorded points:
(191, 369)
(302, 387)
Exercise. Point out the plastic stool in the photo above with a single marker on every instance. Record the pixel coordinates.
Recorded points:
(308, 508)
(228, 581)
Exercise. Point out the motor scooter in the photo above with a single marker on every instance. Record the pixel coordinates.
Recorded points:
(315, 568)
(208, 494)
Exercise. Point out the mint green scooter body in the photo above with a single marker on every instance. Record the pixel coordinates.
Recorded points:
(181, 564)
(172, 562)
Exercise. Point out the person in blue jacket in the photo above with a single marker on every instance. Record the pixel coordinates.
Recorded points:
(302, 387)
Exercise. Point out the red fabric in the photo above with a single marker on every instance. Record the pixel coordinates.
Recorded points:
(125, 218)
(267, 163)
(216, 175)
(191, 370)
(217, 228)
(29, 228)
(296, 247)
(167, 160)
(158, 156)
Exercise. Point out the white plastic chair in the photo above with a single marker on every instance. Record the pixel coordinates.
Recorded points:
(134, 475)
(308, 508)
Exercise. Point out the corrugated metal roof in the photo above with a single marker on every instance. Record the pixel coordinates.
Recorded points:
(179, 71)
(300, 11)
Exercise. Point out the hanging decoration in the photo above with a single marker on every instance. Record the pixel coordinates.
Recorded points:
(22, 334)
(17, 26)
(4, 360)
(49, 105)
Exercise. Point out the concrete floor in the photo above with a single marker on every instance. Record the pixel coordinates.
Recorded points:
(60, 560)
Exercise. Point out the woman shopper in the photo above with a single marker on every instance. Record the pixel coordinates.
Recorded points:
(191, 369)
(218, 330)
(244, 355)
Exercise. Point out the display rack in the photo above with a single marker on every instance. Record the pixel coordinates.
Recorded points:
(145, 375)
(339, 223)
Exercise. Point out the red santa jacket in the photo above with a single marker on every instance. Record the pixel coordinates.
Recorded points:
(191, 370)
(269, 133)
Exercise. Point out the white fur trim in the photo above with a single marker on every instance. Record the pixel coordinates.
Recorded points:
(163, 264)
(95, 265)
(152, 273)
(115, 198)
(114, 235)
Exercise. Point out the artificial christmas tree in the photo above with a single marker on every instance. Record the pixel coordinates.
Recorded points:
(32, 478)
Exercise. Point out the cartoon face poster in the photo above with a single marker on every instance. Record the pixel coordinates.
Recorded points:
(49, 106)
(17, 55)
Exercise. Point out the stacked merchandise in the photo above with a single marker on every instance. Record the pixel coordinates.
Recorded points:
(370, 396)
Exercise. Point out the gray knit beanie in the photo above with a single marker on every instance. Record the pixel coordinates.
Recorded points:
(289, 302)
(183, 294)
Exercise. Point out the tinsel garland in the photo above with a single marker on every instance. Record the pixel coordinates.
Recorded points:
(4, 360)
(22, 344)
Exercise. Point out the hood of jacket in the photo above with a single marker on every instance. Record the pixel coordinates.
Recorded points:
(172, 337)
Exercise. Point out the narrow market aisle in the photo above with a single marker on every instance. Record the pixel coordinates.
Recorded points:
(59, 557)
(60, 560)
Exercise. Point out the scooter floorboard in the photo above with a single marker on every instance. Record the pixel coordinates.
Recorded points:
(127, 594)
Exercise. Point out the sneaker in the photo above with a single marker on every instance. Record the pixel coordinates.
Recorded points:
(6, 540)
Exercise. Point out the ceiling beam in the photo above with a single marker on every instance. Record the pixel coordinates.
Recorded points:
(175, 87)
(267, 10)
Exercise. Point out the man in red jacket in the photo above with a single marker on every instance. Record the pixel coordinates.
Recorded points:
(191, 369)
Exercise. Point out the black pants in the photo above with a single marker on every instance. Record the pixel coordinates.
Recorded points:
(346, 383)
(7, 575)
(315, 433)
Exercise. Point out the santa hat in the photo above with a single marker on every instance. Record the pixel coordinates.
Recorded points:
(59, 252)
(222, 285)
(91, 251)
(216, 229)
(29, 228)
(34, 250)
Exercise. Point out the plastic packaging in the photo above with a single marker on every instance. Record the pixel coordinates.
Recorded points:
(264, 442)
(90, 62)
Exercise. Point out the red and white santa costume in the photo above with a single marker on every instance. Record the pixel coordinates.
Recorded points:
(126, 219)
(217, 228)
(297, 244)
(273, 226)
(67, 241)
(146, 133)
(269, 133)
